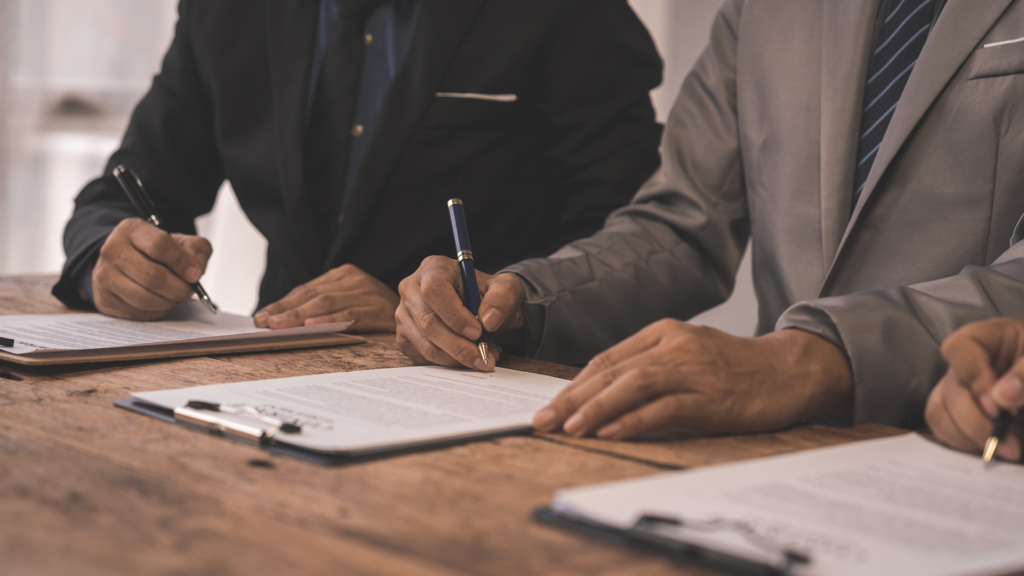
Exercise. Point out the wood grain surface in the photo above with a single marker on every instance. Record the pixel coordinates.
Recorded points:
(87, 488)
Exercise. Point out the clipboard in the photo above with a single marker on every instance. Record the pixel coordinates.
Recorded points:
(341, 417)
(644, 537)
(282, 448)
(184, 350)
(187, 330)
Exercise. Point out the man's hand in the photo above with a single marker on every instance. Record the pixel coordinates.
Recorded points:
(345, 293)
(986, 374)
(142, 271)
(434, 325)
(674, 374)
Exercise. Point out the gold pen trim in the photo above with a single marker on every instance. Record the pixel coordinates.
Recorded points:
(465, 255)
(482, 347)
(454, 201)
(990, 449)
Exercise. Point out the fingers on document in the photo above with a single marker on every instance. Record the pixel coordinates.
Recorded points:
(604, 369)
(345, 293)
(289, 311)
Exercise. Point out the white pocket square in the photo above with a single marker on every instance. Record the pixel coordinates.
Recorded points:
(1014, 41)
(474, 96)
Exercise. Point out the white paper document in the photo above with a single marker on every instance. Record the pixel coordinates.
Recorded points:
(898, 506)
(189, 322)
(363, 412)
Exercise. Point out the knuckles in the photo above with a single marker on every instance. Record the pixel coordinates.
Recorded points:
(407, 287)
(688, 344)
(305, 293)
(149, 277)
(433, 288)
(435, 262)
(345, 271)
(429, 323)
(642, 380)
(602, 361)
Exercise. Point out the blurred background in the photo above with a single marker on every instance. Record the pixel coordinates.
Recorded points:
(72, 70)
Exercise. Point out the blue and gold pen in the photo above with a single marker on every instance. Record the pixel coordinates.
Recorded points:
(465, 255)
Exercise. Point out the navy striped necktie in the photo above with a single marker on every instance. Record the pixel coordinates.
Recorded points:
(900, 33)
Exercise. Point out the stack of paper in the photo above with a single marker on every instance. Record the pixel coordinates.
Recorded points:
(189, 330)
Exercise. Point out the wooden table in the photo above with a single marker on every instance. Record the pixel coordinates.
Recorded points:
(87, 488)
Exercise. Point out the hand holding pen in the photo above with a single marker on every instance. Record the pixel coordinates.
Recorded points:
(436, 327)
(142, 271)
(978, 406)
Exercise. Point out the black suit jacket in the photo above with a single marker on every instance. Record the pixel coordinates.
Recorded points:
(230, 102)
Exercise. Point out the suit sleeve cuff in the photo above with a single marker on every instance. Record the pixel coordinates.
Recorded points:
(74, 289)
(894, 362)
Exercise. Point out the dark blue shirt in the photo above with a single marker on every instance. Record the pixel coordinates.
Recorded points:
(388, 34)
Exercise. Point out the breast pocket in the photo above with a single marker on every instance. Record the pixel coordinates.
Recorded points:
(469, 111)
(999, 59)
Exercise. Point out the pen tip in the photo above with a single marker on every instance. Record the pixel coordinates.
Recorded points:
(990, 449)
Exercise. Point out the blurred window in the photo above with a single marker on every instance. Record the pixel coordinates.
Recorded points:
(72, 70)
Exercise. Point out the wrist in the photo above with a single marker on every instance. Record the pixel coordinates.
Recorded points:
(819, 371)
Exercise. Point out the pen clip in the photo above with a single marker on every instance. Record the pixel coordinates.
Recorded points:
(198, 413)
(655, 530)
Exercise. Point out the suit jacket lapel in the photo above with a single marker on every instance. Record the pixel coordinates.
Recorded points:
(846, 36)
(960, 28)
(442, 25)
(291, 34)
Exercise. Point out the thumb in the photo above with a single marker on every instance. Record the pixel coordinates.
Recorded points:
(200, 248)
(502, 301)
(1008, 392)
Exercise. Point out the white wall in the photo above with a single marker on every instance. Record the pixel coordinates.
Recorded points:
(106, 51)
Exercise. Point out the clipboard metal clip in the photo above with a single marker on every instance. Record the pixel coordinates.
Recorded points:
(655, 531)
(198, 413)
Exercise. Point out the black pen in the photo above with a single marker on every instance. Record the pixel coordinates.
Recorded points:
(999, 431)
(465, 255)
(132, 186)
(7, 342)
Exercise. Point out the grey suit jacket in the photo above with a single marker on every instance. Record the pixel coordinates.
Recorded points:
(761, 145)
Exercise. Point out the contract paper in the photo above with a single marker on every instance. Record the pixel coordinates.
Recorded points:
(898, 506)
(373, 410)
(189, 322)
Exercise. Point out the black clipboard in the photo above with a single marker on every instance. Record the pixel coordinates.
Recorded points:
(313, 456)
(640, 537)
